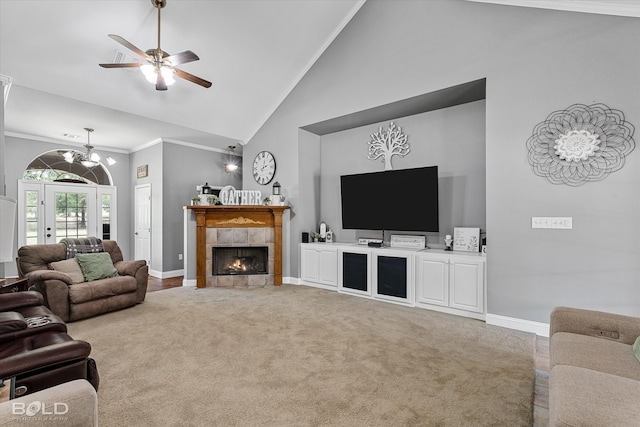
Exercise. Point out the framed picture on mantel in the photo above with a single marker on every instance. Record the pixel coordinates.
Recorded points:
(466, 239)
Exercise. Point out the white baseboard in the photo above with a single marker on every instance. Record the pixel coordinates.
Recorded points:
(537, 328)
(190, 282)
(291, 281)
(166, 274)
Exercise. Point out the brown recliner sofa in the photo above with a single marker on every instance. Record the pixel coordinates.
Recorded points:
(74, 301)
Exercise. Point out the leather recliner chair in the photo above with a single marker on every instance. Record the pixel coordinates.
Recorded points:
(36, 352)
(30, 307)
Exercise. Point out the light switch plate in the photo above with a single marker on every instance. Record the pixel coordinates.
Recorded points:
(556, 222)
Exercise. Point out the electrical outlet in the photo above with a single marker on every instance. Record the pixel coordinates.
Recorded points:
(179, 257)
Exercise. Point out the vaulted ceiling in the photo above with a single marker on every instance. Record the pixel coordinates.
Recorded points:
(254, 52)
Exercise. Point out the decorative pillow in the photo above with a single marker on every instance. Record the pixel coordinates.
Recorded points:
(96, 266)
(636, 348)
(70, 267)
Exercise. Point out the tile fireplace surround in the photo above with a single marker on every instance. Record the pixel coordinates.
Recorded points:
(241, 225)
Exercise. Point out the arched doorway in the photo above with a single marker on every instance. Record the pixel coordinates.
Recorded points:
(59, 197)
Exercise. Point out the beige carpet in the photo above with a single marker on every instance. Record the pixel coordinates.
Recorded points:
(300, 356)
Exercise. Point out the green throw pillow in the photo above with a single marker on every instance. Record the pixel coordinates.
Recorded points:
(96, 266)
(636, 348)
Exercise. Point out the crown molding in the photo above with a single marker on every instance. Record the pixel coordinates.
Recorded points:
(629, 8)
(184, 144)
(63, 142)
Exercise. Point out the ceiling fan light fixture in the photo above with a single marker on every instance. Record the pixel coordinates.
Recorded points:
(151, 73)
(68, 156)
(159, 67)
(111, 161)
(168, 75)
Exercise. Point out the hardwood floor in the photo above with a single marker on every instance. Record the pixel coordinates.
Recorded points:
(155, 284)
(541, 398)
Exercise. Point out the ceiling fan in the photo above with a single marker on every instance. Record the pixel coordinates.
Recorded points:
(160, 66)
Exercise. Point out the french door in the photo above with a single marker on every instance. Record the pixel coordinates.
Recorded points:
(50, 212)
(69, 212)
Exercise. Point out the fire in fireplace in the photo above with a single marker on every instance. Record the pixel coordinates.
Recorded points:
(239, 260)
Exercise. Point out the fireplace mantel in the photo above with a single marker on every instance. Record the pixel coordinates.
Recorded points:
(236, 216)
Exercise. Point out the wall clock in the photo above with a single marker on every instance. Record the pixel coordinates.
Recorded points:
(264, 167)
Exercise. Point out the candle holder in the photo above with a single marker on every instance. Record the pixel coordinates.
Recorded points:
(448, 243)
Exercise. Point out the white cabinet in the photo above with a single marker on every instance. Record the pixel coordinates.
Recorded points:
(453, 283)
(319, 265)
(432, 279)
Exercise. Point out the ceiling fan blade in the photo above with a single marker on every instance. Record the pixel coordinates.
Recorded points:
(192, 78)
(181, 58)
(129, 46)
(122, 65)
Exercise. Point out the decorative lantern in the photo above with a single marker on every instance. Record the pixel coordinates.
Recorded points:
(206, 189)
(276, 188)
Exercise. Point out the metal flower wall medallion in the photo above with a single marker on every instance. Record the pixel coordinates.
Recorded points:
(580, 144)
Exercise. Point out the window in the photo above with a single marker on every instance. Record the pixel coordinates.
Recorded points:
(52, 167)
(32, 217)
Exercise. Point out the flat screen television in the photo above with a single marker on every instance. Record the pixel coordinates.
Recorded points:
(400, 200)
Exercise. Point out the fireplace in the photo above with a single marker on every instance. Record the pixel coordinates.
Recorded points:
(238, 226)
(239, 260)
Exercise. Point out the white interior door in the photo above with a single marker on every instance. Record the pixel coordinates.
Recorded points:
(70, 211)
(142, 224)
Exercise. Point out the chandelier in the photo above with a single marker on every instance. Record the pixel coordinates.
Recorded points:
(88, 158)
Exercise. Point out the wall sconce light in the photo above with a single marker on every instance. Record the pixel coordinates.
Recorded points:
(231, 165)
(276, 188)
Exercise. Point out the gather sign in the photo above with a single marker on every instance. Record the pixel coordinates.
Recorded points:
(231, 196)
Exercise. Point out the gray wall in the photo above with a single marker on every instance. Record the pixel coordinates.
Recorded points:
(174, 172)
(535, 61)
(152, 157)
(458, 151)
(183, 169)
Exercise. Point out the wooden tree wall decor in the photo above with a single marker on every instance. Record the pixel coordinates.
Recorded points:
(388, 143)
